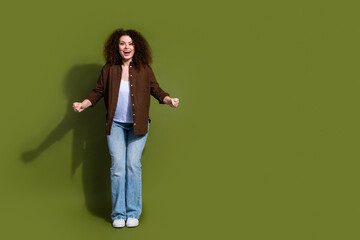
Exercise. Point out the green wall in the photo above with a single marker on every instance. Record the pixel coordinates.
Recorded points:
(264, 144)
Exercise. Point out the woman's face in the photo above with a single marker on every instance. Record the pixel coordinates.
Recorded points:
(126, 47)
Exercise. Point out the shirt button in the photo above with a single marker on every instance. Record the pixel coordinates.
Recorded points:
(130, 75)
(131, 85)
(133, 104)
(132, 94)
(133, 114)
(130, 66)
(134, 124)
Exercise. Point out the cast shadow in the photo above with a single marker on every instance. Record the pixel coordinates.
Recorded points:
(89, 148)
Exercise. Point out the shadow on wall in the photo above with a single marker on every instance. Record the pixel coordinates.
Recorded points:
(89, 143)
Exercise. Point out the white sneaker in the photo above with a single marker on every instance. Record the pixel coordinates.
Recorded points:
(119, 223)
(132, 222)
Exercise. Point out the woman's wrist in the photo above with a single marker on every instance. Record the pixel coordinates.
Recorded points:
(86, 103)
(167, 100)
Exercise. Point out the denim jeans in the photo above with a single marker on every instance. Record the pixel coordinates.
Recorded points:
(125, 150)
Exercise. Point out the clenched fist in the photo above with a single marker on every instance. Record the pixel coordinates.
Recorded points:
(172, 102)
(79, 107)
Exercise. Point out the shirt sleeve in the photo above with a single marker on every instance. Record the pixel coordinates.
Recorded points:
(155, 89)
(98, 92)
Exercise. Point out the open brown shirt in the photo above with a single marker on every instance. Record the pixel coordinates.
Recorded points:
(142, 84)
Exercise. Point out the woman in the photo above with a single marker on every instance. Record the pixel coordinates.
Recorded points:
(126, 82)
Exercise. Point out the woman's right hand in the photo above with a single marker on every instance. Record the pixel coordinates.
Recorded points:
(78, 107)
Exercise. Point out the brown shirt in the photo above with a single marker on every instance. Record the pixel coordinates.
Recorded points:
(142, 84)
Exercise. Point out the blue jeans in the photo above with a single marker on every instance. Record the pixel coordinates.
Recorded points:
(125, 150)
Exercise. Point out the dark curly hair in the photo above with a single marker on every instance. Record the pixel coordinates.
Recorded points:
(142, 55)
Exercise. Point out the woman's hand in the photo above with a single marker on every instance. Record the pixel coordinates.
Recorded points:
(172, 102)
(79, 107)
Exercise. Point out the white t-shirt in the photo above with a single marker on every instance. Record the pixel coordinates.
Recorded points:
(123, 112)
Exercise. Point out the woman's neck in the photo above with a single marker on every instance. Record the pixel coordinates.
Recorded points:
(126, 63)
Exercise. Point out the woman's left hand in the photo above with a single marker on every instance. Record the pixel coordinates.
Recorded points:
(172, 102)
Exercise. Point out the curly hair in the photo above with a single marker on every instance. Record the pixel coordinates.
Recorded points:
(142, 55)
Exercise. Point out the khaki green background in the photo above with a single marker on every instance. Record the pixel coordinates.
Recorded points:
(264, 144)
